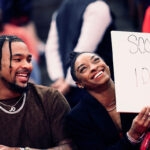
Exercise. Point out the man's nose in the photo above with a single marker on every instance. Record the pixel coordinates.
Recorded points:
(27, 64)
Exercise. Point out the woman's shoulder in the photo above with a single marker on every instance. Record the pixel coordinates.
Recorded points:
(78, 109)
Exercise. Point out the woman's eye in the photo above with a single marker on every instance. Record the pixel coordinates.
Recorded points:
(96, 60)
(82, 69)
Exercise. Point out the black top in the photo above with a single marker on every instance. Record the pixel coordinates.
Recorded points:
(91, 127)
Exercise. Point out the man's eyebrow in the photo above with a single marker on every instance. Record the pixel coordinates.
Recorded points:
(16, 55)
(79, 67)
(21, 55)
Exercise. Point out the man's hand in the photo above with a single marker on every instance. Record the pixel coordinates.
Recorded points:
(63, 145)
(2, 147)
(61, 85)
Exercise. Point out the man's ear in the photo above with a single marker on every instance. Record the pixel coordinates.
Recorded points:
(79, 85)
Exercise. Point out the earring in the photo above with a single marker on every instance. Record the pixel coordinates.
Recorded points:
(81, 86)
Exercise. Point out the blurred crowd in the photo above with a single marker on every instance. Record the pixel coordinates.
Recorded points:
(19, 17)
(137, 9)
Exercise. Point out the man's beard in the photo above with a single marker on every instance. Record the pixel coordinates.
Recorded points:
(14, 87)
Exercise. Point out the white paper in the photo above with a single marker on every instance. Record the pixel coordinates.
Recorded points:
(131, 57)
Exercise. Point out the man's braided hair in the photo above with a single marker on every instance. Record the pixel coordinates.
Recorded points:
(9, 38)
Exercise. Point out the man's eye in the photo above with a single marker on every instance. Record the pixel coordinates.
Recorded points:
(17, 60)
(82, 69)
(29, 60)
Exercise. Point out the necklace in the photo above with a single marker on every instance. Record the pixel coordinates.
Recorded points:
(113, 108)
(12, 109)
(109, 110)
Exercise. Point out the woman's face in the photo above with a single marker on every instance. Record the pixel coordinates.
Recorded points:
(91, 70)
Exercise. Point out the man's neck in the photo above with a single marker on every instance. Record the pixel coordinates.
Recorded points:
(6, 93)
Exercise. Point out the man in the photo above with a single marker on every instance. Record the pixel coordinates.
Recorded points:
(79, 25)
(30, 115)
(10, 29)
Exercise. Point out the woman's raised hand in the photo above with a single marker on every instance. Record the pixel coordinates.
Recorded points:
(140, 124)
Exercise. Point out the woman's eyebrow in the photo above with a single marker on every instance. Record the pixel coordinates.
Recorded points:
(92, 57)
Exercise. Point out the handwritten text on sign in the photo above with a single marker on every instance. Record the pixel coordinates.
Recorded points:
(140, 45)
(131, 56)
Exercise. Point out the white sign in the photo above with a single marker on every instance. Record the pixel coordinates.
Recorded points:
(131, 57)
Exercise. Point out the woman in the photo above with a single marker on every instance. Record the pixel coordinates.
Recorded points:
(94, 124)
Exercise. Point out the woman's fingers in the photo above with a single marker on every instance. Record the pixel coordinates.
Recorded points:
(143, 113)
(146, 118)
(141, 123)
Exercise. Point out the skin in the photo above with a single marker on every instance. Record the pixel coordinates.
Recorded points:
(20, 71)
(87, 66)
(18, 75)
(93, 74)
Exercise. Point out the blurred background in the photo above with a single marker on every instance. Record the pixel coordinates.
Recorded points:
(129, 16)
(126, 15)
(125, 12)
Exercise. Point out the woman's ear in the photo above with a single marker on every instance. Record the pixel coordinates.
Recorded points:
(79, 85)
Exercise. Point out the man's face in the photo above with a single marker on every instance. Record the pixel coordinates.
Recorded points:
(21, 65)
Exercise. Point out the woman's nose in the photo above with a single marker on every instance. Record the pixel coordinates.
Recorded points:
(93, 67)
